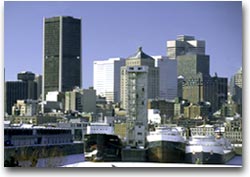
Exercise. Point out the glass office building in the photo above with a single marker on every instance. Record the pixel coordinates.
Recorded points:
(61, 54)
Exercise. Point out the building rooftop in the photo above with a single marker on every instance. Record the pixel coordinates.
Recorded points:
(57, 18)
(185, 38)
(140, 55)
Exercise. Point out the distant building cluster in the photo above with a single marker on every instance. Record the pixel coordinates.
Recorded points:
(137, 91)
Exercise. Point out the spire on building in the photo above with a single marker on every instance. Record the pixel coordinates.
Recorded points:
(140, 55)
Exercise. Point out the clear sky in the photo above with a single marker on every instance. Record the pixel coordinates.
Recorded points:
(117, 29)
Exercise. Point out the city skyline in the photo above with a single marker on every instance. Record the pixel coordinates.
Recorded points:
(168, 102)
(108, 31)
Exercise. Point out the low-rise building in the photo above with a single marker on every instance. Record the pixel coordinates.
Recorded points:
(154, 116)
(54, 102)
(120, 130)
(197, 111)
(166, 108)
(25, 108)
(202, 130)
(78, 128)
(32, 135)
(81, 100)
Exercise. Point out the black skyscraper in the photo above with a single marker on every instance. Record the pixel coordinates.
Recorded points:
(62, 54)
(24, 88)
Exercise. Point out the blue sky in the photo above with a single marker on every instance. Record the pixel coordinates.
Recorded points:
(116, 29)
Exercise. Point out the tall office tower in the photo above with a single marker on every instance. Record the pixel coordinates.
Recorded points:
(135, 84)
(236, 87)
(141, 59)
(167, 77)
(107, 78)
(190, 65)
(62, 66)
(185, 45)
(24, 88)
(195, 83)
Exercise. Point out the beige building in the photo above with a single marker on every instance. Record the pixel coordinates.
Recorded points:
(120, 130)
(82, 100)
(140, 59)
(73, 101)
(197, 111)
(25, 108)
(192, 111)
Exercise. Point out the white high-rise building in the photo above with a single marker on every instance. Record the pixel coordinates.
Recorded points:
(107, 78)
(167, 77)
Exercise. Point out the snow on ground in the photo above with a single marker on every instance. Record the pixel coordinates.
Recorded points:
(140, 164)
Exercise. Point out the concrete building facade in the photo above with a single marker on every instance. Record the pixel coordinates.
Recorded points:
(135, 88)
(82, 100)
(73, 101)
(89, 100)
(140, 59)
